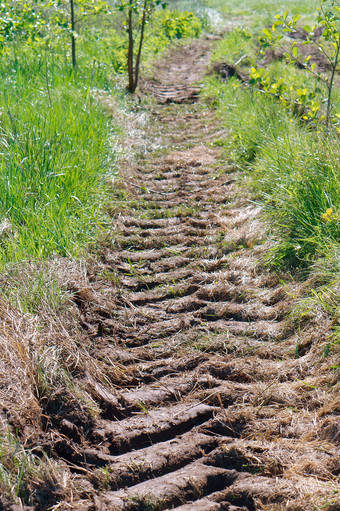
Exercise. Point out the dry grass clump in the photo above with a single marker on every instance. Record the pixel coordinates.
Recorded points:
(301, 474)
(19, 378)
(328, 430)
(24, 476)
(44, 362)
(284, 457)
(310, 496)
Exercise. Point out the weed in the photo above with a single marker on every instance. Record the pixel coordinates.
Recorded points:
(175, 293)
(147, 502)
(21, 470)
(132, 268)
(34, 290)
(103, 477)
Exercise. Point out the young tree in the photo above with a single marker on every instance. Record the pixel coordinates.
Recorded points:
(73, 35)
(324, 35)
(137, 13)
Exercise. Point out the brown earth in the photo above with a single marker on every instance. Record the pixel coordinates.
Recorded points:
(206, 393)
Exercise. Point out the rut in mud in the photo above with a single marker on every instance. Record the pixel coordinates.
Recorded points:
(212, 404)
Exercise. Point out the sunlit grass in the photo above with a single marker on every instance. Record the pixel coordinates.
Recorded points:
(255, 8)
(293, 169)
(54, 157)
(294, 172)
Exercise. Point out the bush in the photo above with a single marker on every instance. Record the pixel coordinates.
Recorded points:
(180, 25)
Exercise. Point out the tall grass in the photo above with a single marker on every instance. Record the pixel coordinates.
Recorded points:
(298, 178)
(293, 170)
(295, 173)
(55, 151)
(54, 154)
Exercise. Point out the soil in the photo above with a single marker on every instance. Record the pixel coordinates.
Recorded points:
(211, 397)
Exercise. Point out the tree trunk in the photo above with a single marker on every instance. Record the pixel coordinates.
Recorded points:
(140, 43)
(73, 38)
(131, 87)
(331, 83)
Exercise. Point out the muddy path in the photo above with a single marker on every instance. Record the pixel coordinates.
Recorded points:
(209, 400)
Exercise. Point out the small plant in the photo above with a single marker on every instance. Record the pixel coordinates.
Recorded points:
(19, 467)
(146, 502)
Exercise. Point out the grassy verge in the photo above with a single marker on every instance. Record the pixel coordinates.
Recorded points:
(256, 13)
(292, 167)
(55, 139)
(54, 157)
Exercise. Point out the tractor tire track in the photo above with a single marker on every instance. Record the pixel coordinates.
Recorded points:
(200, 417)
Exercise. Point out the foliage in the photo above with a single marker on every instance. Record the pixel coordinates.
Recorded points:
(325, 35)
(67, 14)
(180, 25)
(19, 19)
(157, 36)
(44, 23)
(143, 23)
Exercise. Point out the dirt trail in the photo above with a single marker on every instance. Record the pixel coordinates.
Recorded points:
(212, 403)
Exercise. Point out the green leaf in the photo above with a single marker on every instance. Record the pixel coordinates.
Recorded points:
(267, 33)
(295, 52)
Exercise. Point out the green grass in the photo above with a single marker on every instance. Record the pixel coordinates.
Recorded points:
(23, 472)
(251, 117)
(256, 8)
(301, 191)
(295, 173)
(54, 157)
(56, 146)
(17, 469)
(291, 166)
